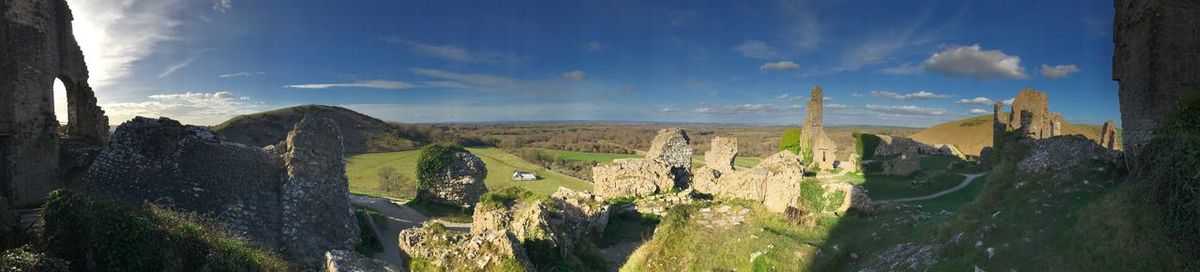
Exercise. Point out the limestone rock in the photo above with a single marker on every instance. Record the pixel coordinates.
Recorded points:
(902, 165)
(1059, 155)
(1108, 135)
(774, 182)
(559, 222)
(985, 158)
(462, 182)
(632, 178)
(584, 213)
(662, 204)
(855, 197)
(350, 261)
(720, 157)
(704, 179)
(293, 197)
(453, 251)
(1038, 119)
(671, 147)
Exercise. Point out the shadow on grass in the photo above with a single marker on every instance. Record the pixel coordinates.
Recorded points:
(448, 213)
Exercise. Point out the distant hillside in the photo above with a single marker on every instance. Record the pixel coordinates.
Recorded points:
(972, 134)
(360, 132)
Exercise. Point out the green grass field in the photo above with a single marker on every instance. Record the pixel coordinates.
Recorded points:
(362, 170)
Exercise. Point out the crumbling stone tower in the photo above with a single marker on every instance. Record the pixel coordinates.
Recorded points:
(37, 47)
(1156, 60)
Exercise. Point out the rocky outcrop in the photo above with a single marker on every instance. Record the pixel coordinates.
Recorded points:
(559, 222)
(293, 196)
(854, 197)
(461, 184)
(777, 174)
(999, 123)
(1108, 135)
(1058, 156)
(902, 165)
(671, 147)
(1156, 60)
(632, 178)
(349, 261)
(890, 146)
(36, 47)
(452, 251)
(720, 157)
(584, 213)
(985, 158)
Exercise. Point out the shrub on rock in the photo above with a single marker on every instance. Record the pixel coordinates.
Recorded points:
(448, 174)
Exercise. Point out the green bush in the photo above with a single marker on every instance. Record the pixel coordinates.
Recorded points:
(865, 144)
(1169, 162)
(101, 235)
(791, 140)
(23, 259)
(433, 160)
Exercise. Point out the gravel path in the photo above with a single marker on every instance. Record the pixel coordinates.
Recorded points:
(970, 177)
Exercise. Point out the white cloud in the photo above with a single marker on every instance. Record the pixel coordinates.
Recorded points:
(574, 75)
(977, 101)
(903, 69)
(756, 49)
(492, 83)
(113, 36)
(977, 111)
(975, 62)
(856, 94)
(242, 74)
(779, 66)
(458, 54)
(836, 106)
(594, 46)
(1058, 71)
(201, 108)
(1008, 101)
(368, 84)
(223, 5)
(907, 109)
(908, 96)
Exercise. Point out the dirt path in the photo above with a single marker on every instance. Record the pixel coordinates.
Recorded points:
(399, 218)
(970, 178)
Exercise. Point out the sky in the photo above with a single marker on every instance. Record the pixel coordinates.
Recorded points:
(897, 63)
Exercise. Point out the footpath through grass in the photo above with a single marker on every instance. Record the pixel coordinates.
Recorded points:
(363, 172)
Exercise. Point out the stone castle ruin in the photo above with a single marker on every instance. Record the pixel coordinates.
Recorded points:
(37, 47)
(824, 150)
(1156, 61)
(292, 196)
(1030, 114)
(667, 166)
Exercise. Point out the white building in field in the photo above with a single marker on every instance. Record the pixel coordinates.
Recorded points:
(522, 175)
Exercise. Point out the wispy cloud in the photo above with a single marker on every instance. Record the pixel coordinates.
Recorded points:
(779, 66)
(242, 74)
(115, 36)
(574, 75)
(756, 49)
(907, 96)
(366, 84)
(457, 54)
(903, 69)
(223, 5)
(1058, 71)
(179, 65)
(975, 62)
(977, 101)
(493, 83)
(977, 111)
(594, 46)
(746, 108)
(907, 109)
(803, 27)
(201, 108)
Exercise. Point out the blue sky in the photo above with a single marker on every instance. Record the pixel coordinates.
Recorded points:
(904, 63)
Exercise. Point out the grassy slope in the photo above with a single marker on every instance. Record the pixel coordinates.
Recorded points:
(362, 169)
(361, 133)
(972, 134)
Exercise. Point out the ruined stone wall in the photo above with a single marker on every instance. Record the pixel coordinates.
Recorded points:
(1156, 60)
(292, 197)
(36, 47)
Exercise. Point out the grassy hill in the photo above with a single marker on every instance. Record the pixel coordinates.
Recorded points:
(362, 170)
(361, 133)
(972, 134)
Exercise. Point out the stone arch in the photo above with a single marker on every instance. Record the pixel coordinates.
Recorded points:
(37, 47)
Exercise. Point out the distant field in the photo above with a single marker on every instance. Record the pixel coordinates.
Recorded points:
(362, 170)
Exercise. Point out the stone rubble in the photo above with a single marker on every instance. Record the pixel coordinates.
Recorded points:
(350, 261)
(722, 154)
(667, 166)
(483, 251)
